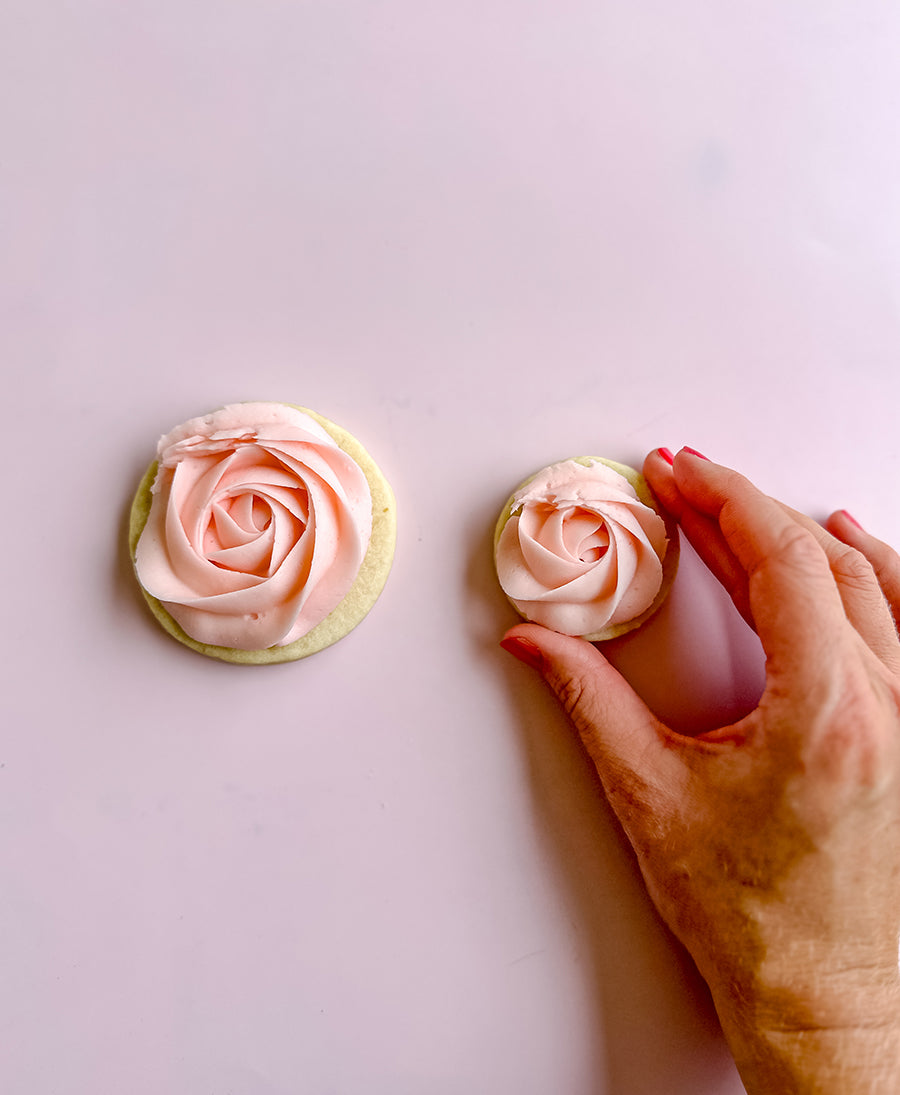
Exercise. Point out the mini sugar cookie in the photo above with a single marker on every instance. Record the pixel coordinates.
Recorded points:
(261, 533)
(583, 548)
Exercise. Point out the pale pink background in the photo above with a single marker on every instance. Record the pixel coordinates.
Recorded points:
(482, 236)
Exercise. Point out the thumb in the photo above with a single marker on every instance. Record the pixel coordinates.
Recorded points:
(622, 735)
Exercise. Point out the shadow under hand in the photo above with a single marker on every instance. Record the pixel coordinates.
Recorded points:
(657, 1029)
(697, 665)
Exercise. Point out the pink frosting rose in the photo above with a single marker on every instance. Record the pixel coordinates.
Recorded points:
(258, 526)
(580, 551)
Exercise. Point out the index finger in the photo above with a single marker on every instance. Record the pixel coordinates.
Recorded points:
(793, 598)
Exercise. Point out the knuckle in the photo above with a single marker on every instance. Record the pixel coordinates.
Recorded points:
(570, 692)
(796, 547)
(857, 737)
(851, 566)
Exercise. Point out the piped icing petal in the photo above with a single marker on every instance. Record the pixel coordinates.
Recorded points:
(258, 526)
(580, 552)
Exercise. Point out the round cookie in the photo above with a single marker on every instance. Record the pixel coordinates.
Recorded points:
(572, 615)
(364, 589)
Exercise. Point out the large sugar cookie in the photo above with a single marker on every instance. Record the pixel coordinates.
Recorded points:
(262, 533)
(583, 548)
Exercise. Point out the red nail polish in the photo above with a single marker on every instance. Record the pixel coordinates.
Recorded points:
(667, 455)
(523, 649)
(851, 518)
(694, 452)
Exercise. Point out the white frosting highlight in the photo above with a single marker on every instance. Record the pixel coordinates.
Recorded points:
(258, 526)
(580, 551)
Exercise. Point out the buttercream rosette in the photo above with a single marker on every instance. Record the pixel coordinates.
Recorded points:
(262, 532)
(583, 548)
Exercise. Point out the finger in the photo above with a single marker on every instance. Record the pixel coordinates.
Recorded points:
(882, 557)
(626, 742)
(859, 589)
(792, 594)
(703, 532)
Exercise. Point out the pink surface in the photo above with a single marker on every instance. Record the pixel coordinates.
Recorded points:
(482, 237)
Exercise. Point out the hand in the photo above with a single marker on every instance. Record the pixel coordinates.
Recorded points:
(771, 847)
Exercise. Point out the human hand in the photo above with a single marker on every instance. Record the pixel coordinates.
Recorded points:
(771, 846)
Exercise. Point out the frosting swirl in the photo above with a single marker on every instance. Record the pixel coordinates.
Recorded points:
(579, 552)
(257, 528)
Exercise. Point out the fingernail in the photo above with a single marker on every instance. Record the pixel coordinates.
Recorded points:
(850, 518)
(523, 649)
(694, 452)
(667, 455)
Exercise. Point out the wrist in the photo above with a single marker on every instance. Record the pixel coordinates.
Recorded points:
(832, 1038)
(827, 1061)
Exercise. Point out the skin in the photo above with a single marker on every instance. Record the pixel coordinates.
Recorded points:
(771, 846)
